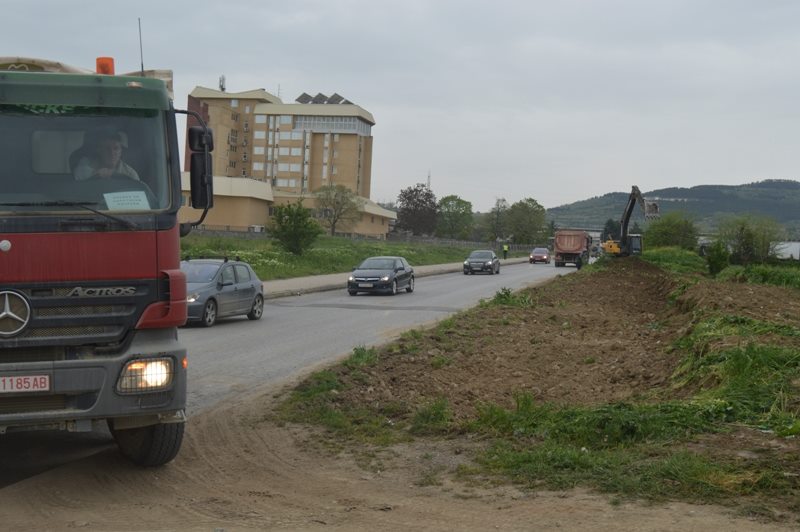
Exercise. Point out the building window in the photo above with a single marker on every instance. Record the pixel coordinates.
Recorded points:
(283, 151)
(294, 167)
(283, 167)
(259, 135)
(285, 135)
(297, 135)
(231, 164)
(258, 150)
(335, 137)
(261, 119)
(271, 122)
(286, 119)
(257, 167)
(246, 108)
(234, 103)
(335, 170)
(297, 152)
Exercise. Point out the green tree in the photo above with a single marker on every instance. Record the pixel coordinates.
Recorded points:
(416, 210)
(293, 227)
(750, 239)
(672, 229)
(339, 207)
(454, 218)
(496, 220)
(525, 221)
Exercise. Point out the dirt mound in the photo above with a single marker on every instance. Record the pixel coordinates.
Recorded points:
(589, 338)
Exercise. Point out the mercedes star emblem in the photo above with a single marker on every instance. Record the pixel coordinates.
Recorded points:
(15, 313)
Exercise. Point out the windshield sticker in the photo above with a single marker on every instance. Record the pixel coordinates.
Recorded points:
(133, 200)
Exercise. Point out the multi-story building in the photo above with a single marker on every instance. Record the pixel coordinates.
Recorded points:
(291, 149)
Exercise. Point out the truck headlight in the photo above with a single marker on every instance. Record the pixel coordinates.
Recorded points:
(146, 375)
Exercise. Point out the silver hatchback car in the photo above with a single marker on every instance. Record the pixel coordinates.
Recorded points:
(218, 288)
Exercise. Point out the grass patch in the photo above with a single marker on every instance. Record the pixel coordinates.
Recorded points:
(755, 381)
(676, 260)
(762, 274)
(362, 357)
(432, 418)
(506, 297)
(603, 426)
(646, 472)
(328, 255)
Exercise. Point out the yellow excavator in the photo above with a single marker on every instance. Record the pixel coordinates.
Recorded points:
(630, 244)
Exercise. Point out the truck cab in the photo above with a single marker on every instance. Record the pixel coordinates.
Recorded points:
(91, 291)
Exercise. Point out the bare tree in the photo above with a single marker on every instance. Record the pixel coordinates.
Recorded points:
(339, 207)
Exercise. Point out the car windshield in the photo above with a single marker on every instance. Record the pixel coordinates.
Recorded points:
(540, 251)
(377, 264)
(198, 272)
(107, 158)
(481, 255)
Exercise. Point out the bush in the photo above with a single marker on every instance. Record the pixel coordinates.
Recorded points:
(717, 257)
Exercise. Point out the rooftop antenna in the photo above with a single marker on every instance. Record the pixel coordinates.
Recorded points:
(222, 83)
(141, 55)
(429, 179)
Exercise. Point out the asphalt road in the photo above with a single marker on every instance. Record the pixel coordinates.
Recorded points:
(296, 335)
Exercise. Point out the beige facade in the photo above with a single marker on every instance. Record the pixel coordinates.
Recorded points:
(291, 149)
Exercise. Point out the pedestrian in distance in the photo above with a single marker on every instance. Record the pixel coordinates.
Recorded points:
(505, 251)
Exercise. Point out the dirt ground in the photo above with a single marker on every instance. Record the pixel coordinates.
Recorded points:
(588, 340)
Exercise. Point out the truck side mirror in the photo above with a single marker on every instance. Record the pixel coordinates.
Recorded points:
(201, 143)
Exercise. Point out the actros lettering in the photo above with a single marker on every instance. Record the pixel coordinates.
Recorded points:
(79, 291)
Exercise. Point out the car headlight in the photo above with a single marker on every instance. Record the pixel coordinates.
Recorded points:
(385, 278)
(488, 263)
(351, 278)
(466, 263)
(191, 298)
(146, 375)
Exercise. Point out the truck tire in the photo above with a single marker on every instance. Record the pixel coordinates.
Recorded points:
(150, 446)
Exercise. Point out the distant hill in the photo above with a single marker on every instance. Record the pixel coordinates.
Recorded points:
(706, 204)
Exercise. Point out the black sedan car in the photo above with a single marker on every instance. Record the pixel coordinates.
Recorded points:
(482, 260)
(217, 288)
(381, 274)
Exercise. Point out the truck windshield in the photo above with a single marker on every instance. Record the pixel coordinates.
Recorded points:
(55, 158)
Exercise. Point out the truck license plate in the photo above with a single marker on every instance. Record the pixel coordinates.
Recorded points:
(365, 285)
(24, 383)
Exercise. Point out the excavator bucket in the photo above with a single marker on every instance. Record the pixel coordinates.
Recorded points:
(651, 210)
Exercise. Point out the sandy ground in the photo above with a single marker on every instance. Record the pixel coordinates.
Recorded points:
(239, 470)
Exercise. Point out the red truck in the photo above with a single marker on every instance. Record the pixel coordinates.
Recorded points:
(91, 291)
(571, 246)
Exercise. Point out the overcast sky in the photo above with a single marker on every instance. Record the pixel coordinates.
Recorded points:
(556, 100)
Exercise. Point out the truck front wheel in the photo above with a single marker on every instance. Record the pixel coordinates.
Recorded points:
(149, 446)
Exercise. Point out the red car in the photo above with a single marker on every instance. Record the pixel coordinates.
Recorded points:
(539, 255)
